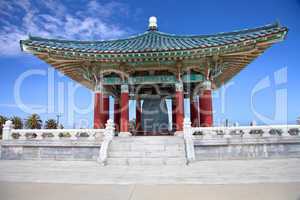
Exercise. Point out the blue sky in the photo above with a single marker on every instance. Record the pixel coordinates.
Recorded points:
(88, 20)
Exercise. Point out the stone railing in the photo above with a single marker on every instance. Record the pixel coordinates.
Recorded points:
(61, 137)
(9, 133)
(214, 136)
(246, 131)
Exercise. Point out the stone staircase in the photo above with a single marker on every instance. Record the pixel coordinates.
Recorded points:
(147, 150)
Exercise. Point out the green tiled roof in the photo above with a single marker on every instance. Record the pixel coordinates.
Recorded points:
(154, 41)
(234, 50)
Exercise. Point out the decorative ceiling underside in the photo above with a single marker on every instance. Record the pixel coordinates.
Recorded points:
(154, 50)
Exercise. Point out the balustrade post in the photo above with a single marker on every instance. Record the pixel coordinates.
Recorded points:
(22, 136)
(56, 135)
(227, 133)
(285, 132)
(246, 133)
(91, 135)
(109, 134)
(39, 135)
(73, 135)
(206, 134)
(187, 125)
(188, 138)
(266, 132)
(7, 130)
(109, 129)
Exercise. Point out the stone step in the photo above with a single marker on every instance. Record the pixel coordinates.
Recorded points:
(150, 140)
(146, 147)
(144, 154)
(147, 150)
(146, 161)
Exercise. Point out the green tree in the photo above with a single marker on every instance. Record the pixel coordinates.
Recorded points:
(34, 122)
(3, 119)
(50, 124)
(17, 122)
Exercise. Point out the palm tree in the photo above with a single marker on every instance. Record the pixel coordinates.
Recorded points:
(17, 122)
(2, 122)
(34, 122)
(50, 124)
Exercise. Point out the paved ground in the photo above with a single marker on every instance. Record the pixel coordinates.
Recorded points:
(35, 191)
(204, 172)
(252, 179)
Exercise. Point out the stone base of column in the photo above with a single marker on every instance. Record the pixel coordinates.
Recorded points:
(178, 133)
(124, 134)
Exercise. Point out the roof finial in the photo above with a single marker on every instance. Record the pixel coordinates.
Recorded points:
(153, 23)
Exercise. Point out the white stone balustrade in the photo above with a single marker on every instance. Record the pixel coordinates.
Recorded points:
(247, 131)
(9, 133)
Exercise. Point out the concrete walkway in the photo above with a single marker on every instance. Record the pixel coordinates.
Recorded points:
(204, 172)
(35, 191)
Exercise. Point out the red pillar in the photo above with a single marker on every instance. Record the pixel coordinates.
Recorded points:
(97, 115)
(138, 114)
(124, 109)
(179, 107)
(194, 111)
(117, 114)
(174, 114)
(98, 111)
(105, 108)
(205, 104)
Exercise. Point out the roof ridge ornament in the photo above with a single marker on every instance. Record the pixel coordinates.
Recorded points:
(152, 23)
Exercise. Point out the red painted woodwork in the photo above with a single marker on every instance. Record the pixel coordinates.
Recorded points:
(124, 112)
(98, 117)
(105, 108)
(179, 110)
(206, 112)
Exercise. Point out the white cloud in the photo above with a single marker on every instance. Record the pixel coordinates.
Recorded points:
(53, 19)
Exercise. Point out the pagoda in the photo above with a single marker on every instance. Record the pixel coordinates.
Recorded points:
(152, 67)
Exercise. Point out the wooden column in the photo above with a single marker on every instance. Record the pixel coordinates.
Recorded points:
(205, 104)
(117, 114)
(98, 122)
(124, 128)
(105, 107)
(194, 111)
(99, 107)
(179, 106)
